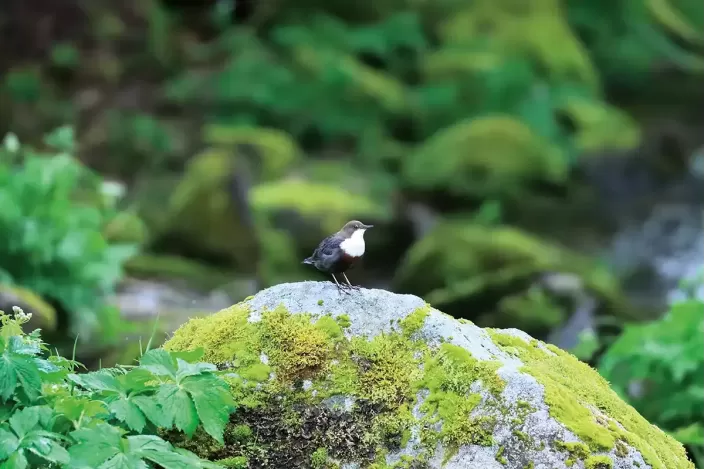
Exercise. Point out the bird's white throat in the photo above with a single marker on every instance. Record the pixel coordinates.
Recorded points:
(355, 245)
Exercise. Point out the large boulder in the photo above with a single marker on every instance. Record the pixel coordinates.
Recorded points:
(373, 379)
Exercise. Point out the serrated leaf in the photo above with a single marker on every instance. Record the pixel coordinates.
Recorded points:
(213, 403)
(8, 443)
(95, 445)
(178, 408)
(188, 369)
(128, 412)
(23, 421)
(190, 356)
(159, 362)
(51, 451)
(135, 379)
(152, 410)
(18, 369)
(147, 443)
(16, 461)
(75, 408)
(96, 381)
(17, 344)
(124, 461)
(8, 377)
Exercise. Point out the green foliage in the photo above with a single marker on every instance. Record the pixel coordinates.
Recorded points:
(485, 156)
(52, 417)
(658, 368)
(51, 239)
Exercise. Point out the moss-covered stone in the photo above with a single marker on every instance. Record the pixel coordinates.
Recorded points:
(582, 400)
(459, 264)
(311, 382)
(382, 375)
(332, 205)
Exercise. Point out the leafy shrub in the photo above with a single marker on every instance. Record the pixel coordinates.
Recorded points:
(51, 239)
(658, 368)
(52, 417)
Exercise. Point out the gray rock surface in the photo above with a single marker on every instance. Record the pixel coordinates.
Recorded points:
(375, 311)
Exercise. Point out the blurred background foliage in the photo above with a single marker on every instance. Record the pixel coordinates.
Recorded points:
(526, 164)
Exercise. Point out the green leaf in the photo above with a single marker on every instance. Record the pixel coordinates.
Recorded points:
(97, 381)
(187, 369)
(23, 421)
(28, 376)
(124, 461)
(213, 403)
(18, 369)
(50, 450)
(16, 461)
(8, 443)
(76, 408)
(8, 377)
(161, 452)
(128, 412)
(159, 362)
(153, 411)
(178, 408)
(95, 445)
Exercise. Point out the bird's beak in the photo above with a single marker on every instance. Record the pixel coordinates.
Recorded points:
(367, 227)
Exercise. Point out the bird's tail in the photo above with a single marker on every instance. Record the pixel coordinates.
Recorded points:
(308, 260)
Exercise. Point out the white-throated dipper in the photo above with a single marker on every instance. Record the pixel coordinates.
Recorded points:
(338, 252)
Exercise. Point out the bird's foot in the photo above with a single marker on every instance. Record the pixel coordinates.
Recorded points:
(353, 287)
(342, 289)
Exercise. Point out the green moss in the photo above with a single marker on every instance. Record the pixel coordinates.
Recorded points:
(521, 435)
(319, 458)
(297, 348)
(413, 323)
(387, 368)
(381, 375)
(330, 326)
(598, 462)
(320, 302)
(235, 462)
(570, 387)
(241, 433)
(530, 465)
(577, 451)
(499, 456)
(621, 449)
(453, 369)
(343, 321)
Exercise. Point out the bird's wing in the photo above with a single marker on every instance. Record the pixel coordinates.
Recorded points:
(328, 246)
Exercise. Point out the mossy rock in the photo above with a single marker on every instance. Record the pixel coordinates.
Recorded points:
(127, 227)
(208, 215)
(43, 314)
(494, 155)
(381, 380)
(273, 151)
(331, 205)
(538, 31)
(472, 269)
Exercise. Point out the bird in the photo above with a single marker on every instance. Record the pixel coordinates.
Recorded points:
(340, 251)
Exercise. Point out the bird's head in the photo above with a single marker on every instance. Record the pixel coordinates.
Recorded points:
(354, 226)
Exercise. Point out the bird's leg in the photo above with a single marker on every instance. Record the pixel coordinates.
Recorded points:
(340, 287)
(354, 287)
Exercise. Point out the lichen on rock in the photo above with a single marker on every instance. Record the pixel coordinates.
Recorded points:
(379, 380)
